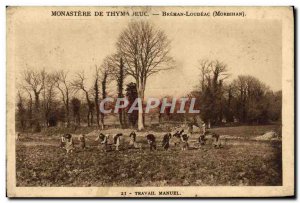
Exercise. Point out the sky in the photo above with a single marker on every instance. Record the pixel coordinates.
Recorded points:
(247, 46)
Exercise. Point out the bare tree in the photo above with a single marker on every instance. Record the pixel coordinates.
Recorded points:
(27, 98)
(145, 51)
(219, 72)
(204, 72)
(79, 84)
(64, 87)
(48, 95)
(34, 82)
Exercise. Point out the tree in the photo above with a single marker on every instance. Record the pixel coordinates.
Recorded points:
(96, 95)
(76, 110)
(34, 82)
(275, 105)
(64, 87)
(106, 72)
(55, 114)
(213, 73)
(79, 84)
(252, 105)
(104, 94)
(120, 82)
(27, 102)
(145, 51)
(131, 94)
(48, 97)
(21, 111)
(114, 66)
(118, 73)
(205, 66)
(229, 104)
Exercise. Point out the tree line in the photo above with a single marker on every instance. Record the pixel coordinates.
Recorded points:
(244, 100)
(45, 98)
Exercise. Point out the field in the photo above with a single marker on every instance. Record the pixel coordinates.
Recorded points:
(40, 162)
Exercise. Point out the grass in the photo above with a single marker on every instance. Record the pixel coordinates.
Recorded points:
(39, 162)
(236, 131)
(247, 131)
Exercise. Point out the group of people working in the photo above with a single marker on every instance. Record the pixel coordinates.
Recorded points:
(67, 141)
(107, 141)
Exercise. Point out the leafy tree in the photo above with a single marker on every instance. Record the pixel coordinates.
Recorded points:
(252, 103)
(118, 73)
(96, 96)
(275, 105)
(213, 73)
(106, 70)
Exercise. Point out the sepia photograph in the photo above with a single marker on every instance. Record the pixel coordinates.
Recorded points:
(150, 101)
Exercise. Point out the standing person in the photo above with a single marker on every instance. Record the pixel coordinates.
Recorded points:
(69, 144)
(81, 139)
(117, 140)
